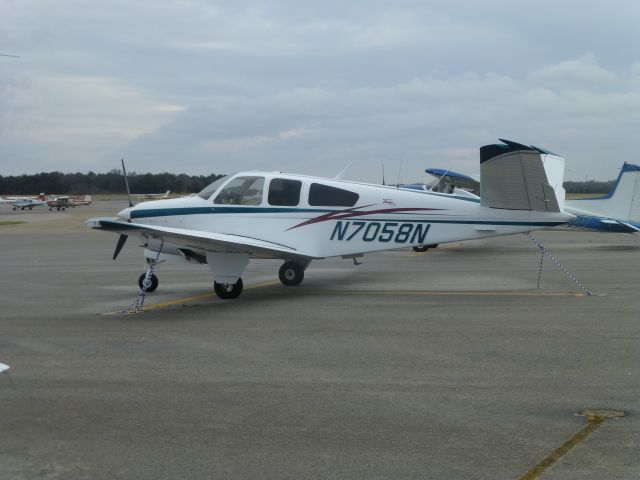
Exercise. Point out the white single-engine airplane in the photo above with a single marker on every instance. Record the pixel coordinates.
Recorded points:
(153, 196)
(23, 203)
(299, 218)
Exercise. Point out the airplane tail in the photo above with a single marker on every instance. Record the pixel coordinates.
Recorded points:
(623, 201)
(520, 177)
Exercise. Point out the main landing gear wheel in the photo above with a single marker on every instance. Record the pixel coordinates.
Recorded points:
(423, 248)
(228, 291)
(152, 286)
(291, 274)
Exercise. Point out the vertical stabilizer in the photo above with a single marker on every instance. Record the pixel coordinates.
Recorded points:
(519, 177)
(622, 202)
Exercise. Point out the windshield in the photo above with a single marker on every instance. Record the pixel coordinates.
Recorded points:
(212, 187)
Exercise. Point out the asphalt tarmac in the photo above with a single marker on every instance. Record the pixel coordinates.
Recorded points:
(444, 365)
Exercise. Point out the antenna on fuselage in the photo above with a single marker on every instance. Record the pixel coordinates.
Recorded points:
(400, 169)
(342, 172)
(383, 182)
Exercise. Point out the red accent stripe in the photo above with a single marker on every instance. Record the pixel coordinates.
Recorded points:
(351, 213)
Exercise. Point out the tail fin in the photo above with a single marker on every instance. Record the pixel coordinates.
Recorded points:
(519, 177)
(622, 202)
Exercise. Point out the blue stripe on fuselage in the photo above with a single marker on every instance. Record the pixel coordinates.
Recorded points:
(167, 212)
(170, 212)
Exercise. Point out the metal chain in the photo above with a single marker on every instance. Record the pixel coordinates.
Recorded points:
(558, 264)
(540, 268)
(138, 303)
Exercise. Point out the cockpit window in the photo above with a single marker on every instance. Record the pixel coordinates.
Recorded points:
(210, 189)
(326, 196)
(284, 192)
(241, 191)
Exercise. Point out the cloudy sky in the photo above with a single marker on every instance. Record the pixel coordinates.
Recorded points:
(218, 86)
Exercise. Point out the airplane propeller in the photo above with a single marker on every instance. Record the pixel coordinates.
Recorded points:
(123, 238)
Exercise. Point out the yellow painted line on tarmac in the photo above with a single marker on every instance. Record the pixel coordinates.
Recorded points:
(415, 293)
(203, 296)
(183, 300)
(450, 293)
(179, 301)
(595, 418)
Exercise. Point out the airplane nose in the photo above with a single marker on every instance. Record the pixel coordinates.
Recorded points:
(125, 214)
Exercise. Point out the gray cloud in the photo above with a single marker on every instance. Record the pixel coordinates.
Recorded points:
(214, 87)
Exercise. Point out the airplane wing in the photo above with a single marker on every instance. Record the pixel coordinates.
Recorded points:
(612, 221)
(200, 240)
(454, 178)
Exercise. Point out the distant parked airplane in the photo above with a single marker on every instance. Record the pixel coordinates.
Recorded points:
(154, 196)
(23, 203)
(617, 211)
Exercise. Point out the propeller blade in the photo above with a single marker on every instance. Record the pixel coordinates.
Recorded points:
(120, 244)
(126, 182)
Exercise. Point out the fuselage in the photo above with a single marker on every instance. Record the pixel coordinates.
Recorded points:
(322, 217)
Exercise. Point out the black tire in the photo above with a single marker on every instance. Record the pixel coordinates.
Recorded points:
(228, 291)
(291, 274)
(154, 282)
(424, 248)
(30, 208)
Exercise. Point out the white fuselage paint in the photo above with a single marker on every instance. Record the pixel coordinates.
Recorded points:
(383, 218)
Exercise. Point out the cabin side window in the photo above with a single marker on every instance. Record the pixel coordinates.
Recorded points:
(284, 192)
(241, 191)
(326, 196)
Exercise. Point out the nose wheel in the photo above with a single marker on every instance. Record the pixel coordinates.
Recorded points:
(228, 291)
(291, 274)
(153, 282)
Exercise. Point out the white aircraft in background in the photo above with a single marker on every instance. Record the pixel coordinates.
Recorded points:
(5, 369)
(299, 218)
(23, 203)
(154, 196)
(617, 211)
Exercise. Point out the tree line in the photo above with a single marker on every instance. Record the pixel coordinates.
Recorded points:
(590, 187)
(112, 182)
(95, 183)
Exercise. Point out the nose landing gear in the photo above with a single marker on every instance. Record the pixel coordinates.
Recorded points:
(152, 282)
